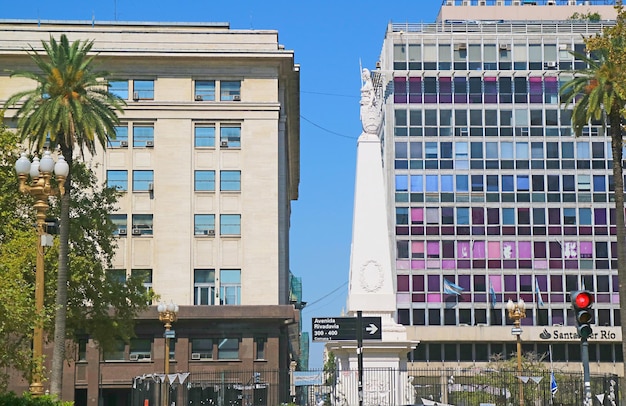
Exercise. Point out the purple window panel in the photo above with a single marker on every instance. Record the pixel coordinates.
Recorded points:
(508, 250)
(432, 249)
(551, 89)
(540, 249)
(479, 264)
(434, 285)
(415, 90)
(510, 283)
(478, 230)
(556, 283)
(448, 264)
(417, 215)
(445, 98)
(571, 264)
(555, 249)
(570, 230)
(403, 283)
(603, 298)
(600, 231)
(478, 249)
(536, 90)
(445, 90)
(460, 98)
(433, 298)
(402, 264)
(553, 230)
(508, 230)
(494, 249)
(464, 281)
(403, 299)
(421, 264)
(554, 215)
(615, 298)
(509, 264)
(525, 264)
(418, 298)
(540, 264)
(432, 230)
(478, 215)
(448, 249)
(417, 249)
(491, 89)
(570, 249)
(524, 249)
(613, 230)
(463, 230)
(417, 230)
(599, 216)
(556, 264)
(430, 98)
(402, 230)
(494, 264)
(418, 283)
(481, 298)
(586, 249)
(557, 298)
(463, 249)
(585, 230)
(558, 319)
(542, 281)
(399, 90)
(447, 230)
(614, 250)
(463, 264)
(495, 282)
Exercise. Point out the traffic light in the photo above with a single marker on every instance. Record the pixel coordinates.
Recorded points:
(582, 300)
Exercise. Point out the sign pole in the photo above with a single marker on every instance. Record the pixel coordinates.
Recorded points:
(359, 351)
(586, 375)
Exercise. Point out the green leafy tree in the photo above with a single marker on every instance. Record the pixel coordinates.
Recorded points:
(599, 94)
(72, 106)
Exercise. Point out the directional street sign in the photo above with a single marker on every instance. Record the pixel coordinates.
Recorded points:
(344, 328)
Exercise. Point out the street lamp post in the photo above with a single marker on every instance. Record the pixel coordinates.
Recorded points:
(168, 314)
(39, 187)
(517, 311)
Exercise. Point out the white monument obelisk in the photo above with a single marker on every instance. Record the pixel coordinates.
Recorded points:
(371, 286)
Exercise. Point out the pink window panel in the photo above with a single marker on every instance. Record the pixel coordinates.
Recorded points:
(418, 264)
(478, 249)
(495, 282)
(417, 215)
(433, 298)
(448, 264)
(463, 249)
(402, 264)
(524, 249)
(540, 264)
(433, 264)
(433, 249)
(508, 250)
(570, 250)
(493, 247)
(403, 298)
(586, 249)
(417, 249)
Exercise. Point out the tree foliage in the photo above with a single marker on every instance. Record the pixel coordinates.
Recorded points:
(98, 307)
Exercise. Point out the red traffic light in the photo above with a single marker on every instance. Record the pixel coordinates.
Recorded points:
(583, 299)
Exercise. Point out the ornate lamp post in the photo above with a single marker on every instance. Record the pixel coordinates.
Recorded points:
(40, 173)
(168, 314)
(517, 311)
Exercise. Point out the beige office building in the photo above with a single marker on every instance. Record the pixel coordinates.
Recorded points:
(208, 157)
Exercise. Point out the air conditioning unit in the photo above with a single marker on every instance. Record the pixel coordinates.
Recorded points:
(136, 96)
(467, 2)
(564, 47)
(124, 144)
(551, 2)
(236, 97)
(449, 2)
(482, 2)
(136, 231)
(199, 98)
(150, 187)
(224, 144)
(505, 47)
(150, 144)
(133, 357)
(571, 2)
(550, 64)
(517, 2)
(499, 2)
(463, 325)
(460, 47)
(121, 231)
(195, 355)
(209, 232)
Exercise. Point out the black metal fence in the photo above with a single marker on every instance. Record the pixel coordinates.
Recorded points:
(459, 387)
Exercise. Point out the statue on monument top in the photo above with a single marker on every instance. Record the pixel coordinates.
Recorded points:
(371, 113)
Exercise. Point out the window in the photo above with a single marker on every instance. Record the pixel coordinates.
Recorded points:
(204, 135)
(230, 90)
(143, 181)
(228, 348)
(116, 352)
(204, 181)
(116, 276)
(121, 137)
(201, 348)
(230, 286)
(142, 224)
(143, 136)
(230, 224)
(259, 343)
(205, 90)
(204, 287)
(140, 349)
(230, 180)
(82, 349)
(146, 277)
(117, 180)
(204, 224)
(119, 221)
(119, 88)
(143, 90)
(230, 136)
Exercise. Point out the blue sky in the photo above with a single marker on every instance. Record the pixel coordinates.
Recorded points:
(329, 39)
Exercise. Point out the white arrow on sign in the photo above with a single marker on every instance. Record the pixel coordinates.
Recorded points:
(372, 329)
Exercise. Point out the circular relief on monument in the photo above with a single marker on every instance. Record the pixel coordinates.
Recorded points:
(372, 276)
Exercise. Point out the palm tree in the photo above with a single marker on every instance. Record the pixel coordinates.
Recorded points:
(72, 107)
(597, 93)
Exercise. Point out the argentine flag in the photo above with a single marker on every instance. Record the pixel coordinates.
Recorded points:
(553, 386)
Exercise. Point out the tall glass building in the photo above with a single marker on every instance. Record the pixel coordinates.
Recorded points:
(492, 197)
